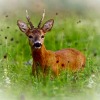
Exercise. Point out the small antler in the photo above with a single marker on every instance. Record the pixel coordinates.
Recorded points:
(28, 19)
(39, 25)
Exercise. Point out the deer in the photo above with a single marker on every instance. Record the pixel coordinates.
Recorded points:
(56, 61)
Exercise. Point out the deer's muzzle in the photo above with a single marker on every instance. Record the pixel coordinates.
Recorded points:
(37, 45)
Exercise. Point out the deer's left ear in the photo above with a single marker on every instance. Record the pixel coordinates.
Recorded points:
(48, 25)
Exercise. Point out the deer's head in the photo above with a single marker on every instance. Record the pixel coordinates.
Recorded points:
(35, 35)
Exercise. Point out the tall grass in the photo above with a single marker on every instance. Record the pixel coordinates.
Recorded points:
(15, 61)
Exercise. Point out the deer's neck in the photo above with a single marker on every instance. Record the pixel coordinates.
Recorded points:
(39, 55)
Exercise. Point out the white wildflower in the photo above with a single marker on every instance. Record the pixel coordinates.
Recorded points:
(7, 80)
(91, 82)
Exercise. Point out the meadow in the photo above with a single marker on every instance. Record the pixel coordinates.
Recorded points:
(70, 31)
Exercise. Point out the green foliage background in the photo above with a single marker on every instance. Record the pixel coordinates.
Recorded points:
(71, 30)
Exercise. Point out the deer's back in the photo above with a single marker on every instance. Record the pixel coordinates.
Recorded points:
(70, 58)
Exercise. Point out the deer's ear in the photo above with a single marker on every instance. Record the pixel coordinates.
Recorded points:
(22, 26)
(48, 25)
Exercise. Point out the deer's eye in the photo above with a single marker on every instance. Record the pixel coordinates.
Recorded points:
(42, 36)
(30, 37)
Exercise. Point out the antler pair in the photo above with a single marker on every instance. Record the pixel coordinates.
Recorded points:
(30, 23)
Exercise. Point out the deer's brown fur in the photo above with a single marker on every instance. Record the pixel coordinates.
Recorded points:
(70, 59)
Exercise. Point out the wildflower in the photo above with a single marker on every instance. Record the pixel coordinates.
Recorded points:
(5, 56)
(91, 81)
(5, 37)
(12, 39)
(7, 80)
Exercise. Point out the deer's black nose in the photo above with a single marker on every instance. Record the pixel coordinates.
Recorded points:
(37, 44)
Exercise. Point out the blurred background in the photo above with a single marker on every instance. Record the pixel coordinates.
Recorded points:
(78, 24)
(62, 6)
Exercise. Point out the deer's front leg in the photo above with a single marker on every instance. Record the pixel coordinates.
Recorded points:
(55, 70)
(35, 69)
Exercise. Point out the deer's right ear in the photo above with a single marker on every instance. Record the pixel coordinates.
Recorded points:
(23, 26)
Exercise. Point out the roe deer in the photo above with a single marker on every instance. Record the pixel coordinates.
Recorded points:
(60, 60)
